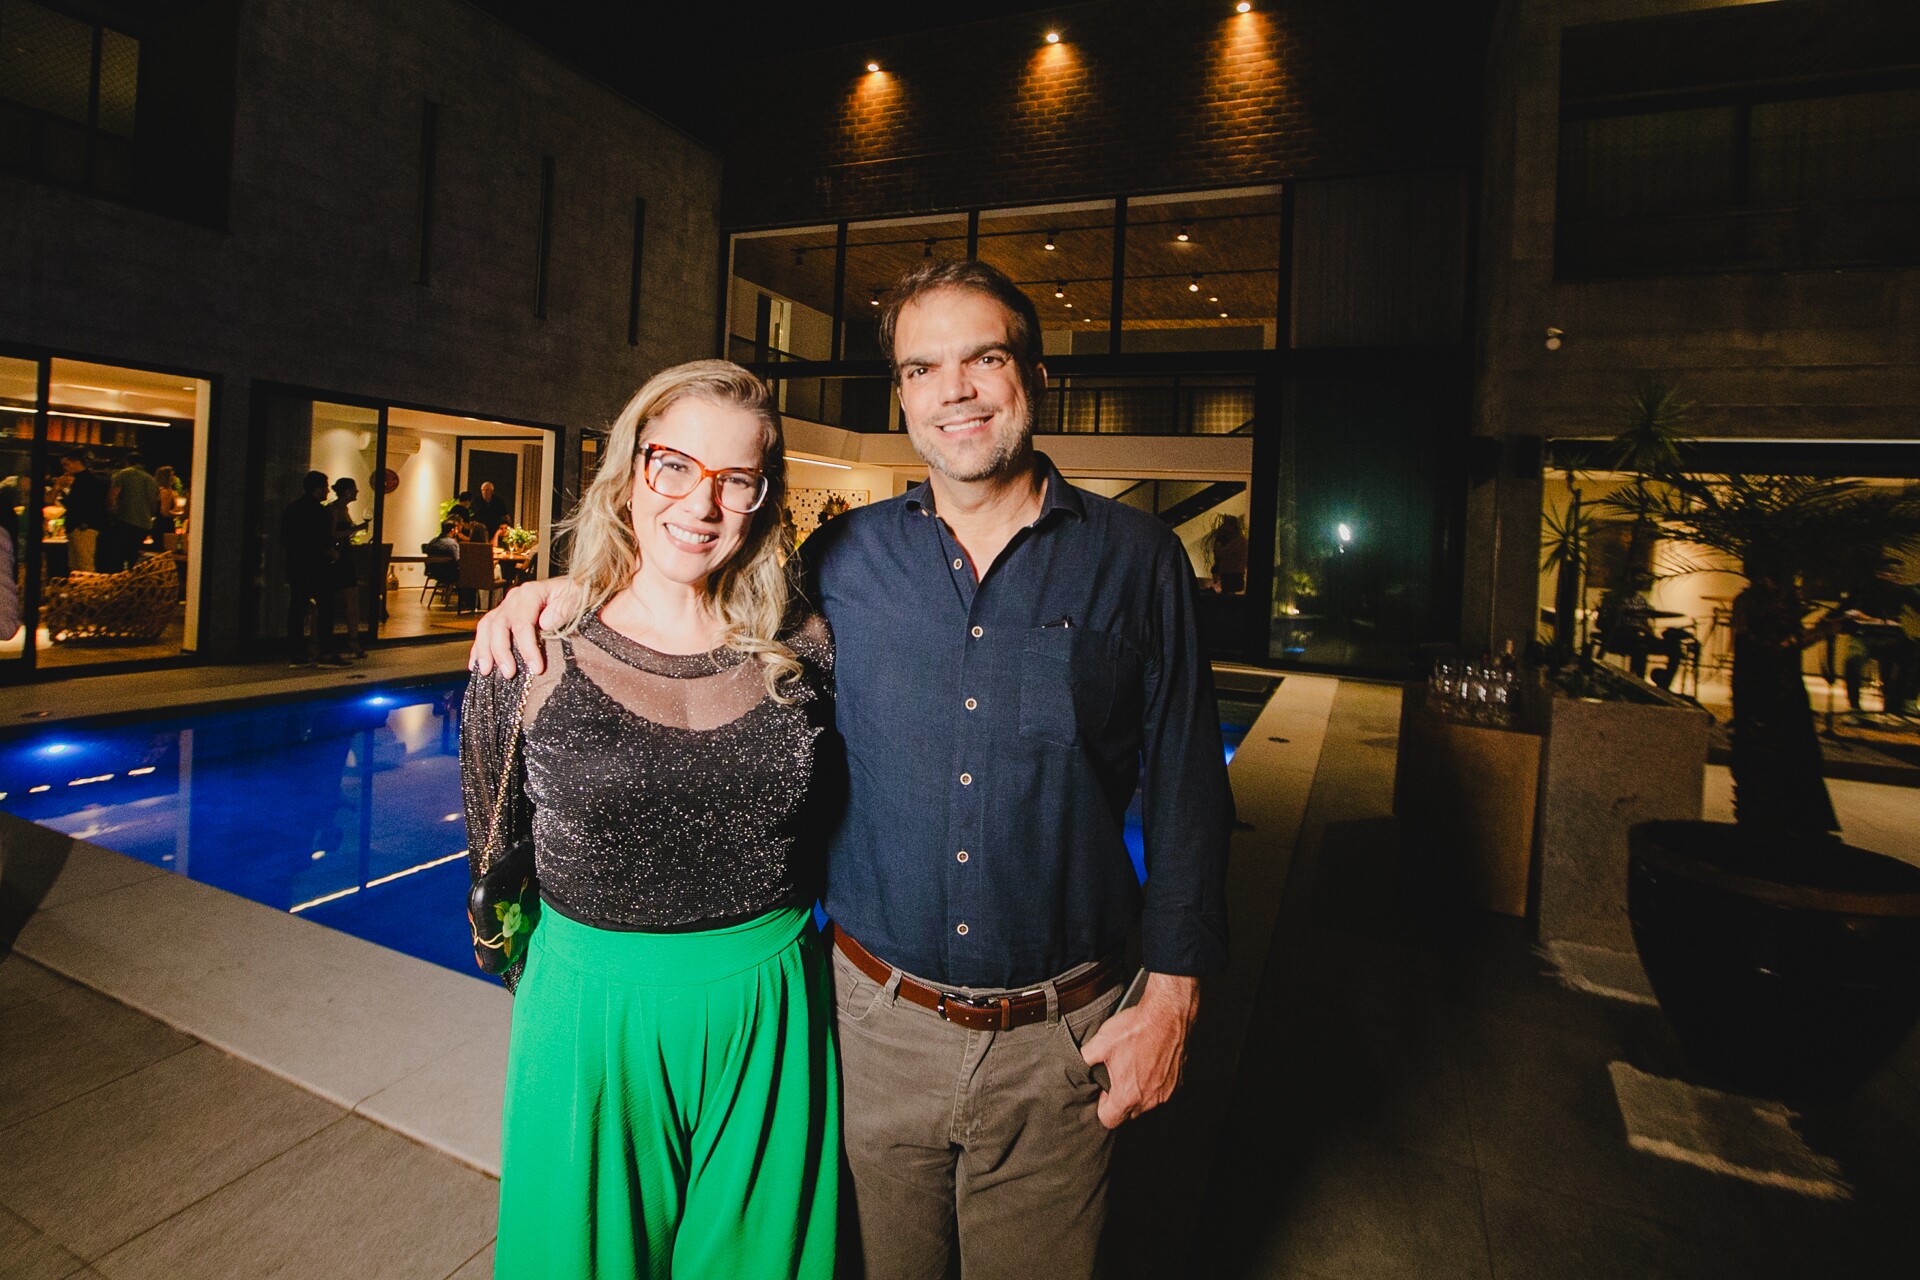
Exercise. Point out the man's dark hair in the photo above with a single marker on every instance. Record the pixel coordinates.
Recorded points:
(78, 454)
(315, 482)
(136, 459)
(446, 527)
(1023, 322)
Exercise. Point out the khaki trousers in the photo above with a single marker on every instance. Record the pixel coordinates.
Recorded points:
(977, 1146)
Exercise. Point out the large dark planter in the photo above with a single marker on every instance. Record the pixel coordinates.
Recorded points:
(1785, 966)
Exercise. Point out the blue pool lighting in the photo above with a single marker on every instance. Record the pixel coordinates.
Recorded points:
(343, 809)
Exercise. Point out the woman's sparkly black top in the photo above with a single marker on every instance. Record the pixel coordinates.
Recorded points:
(662, 792)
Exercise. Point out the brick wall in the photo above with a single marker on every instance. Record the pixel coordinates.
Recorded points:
(1137, 96)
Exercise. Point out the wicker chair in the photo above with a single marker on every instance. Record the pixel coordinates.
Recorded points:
(136, 604)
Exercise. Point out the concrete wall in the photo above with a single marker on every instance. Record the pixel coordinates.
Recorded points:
(1821, 355)
(313, 280)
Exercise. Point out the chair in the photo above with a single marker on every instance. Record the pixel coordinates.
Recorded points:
(476, 574)
(135, 604)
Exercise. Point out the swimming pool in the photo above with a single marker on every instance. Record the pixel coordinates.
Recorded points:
(343, 809)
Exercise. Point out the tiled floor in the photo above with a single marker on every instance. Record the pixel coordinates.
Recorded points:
(1418, 1099)
(135, 1151)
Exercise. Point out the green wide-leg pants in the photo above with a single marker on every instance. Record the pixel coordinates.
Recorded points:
(672, 1105)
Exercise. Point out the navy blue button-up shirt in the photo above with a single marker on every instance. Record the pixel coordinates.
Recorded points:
(995, 731)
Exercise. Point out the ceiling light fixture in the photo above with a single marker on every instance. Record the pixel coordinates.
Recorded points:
(1069, 306)
(1243, 7)
(1194, 285)
(1049, 246)
(1060, 291)
(1212, 298)
(873, 298)
(874, 66)
(928, 251)
(1053, 37)
(1223, 315)
(1183, 236)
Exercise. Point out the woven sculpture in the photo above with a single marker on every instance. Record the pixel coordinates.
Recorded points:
(134, 605)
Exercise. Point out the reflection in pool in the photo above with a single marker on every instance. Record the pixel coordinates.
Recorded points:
(343, 809)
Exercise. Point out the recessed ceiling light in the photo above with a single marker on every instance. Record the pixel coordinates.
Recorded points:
(1069, 306)
(1183, 236)
(1223, 315)
(1211, 298)
(874, 66)
(1053, 37)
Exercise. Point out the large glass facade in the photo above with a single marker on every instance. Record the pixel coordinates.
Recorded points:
(104, 475)
(442, 510)
(1062, 256)
(1202, 272)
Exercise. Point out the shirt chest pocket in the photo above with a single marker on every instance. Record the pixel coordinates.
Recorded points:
(1067, 679)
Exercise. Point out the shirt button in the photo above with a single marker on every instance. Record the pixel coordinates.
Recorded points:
(977, 633)
(960, 856)
(961, 929)
(972, 705)
(956, 563)
(966, 779)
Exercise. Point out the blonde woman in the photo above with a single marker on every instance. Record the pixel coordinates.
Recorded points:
(672, 1101)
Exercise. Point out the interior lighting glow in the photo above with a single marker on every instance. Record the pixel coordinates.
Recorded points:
(298, 907)
(107, 417)
(425, 866)
(379, 700)
(874, 66)
(452, 817)
(1344, 532)
(1184, 236)
(1194, 285)
(34, 791)
(56, 748)
(98, 777)
(1053, 37)
(1069, 306)
(1049, 246)
(837, 466)
(873, 298)
(1211, 298)
(1223, 315)
(318, 854)
(1242, 7)
(140, 772)
(1060, 291)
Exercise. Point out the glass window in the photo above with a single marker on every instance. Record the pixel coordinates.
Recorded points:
(878, 254)
(1356, 553)
(19, 392)
(68, 94)
(109, 538)
(1062, 256)
(1202, 272)
(780, 296)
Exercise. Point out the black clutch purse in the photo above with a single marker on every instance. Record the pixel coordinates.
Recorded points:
(504, 903)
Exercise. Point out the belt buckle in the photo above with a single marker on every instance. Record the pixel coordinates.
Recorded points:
(998, 1006)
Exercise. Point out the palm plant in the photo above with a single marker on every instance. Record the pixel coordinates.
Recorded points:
(1786, 533)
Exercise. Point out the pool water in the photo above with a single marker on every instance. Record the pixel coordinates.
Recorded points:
(342, 809)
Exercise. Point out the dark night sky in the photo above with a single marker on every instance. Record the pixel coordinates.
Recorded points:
(677, 59)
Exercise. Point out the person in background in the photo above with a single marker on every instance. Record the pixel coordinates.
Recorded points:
(490, 511)
(9, 585)
(672, 1097)
(165, 519)
(306, 545)
(133, 501)
(342, 528)
(445, 546)
(86, 503)
(1227, 550)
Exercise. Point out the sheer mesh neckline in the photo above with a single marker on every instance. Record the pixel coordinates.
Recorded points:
(675, 665)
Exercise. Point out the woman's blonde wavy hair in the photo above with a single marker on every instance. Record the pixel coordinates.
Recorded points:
(752, 592)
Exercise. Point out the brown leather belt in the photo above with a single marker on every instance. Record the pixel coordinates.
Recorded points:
(985, 1013)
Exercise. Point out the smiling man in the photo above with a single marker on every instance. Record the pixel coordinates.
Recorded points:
(1013, 655)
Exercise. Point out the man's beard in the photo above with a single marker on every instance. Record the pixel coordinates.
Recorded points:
(1002, 458)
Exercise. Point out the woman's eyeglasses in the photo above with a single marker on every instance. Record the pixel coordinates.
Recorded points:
(673, 474)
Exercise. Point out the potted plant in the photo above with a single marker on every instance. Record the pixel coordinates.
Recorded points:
(1787, 961)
